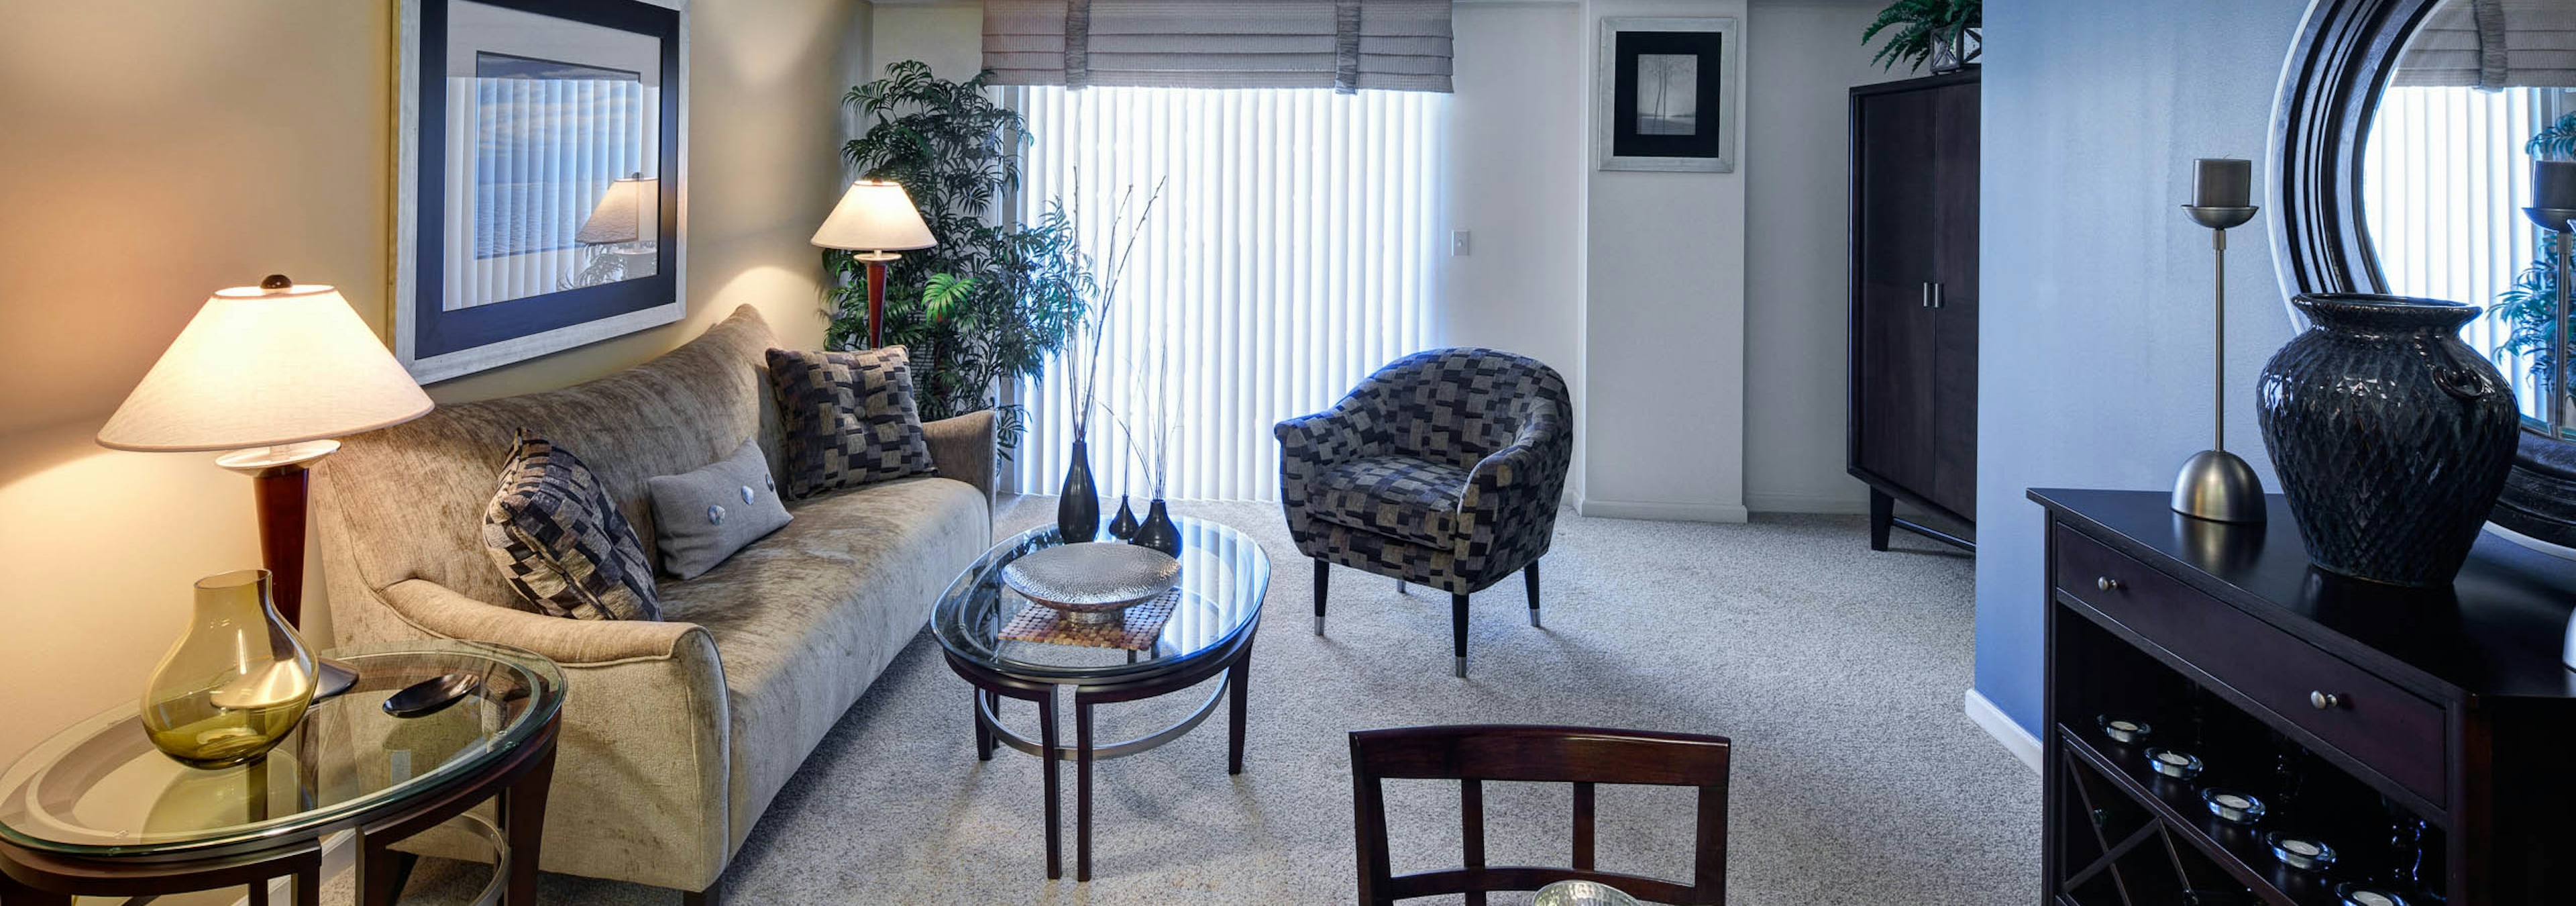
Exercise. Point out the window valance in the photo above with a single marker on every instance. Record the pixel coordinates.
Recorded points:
(2493, 44)
(1345, 45)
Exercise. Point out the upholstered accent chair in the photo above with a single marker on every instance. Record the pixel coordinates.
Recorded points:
(1441, 469)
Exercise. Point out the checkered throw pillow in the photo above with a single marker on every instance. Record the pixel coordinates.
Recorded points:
(849, 417)
(562, 543)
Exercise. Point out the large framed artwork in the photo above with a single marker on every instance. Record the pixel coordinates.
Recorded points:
(540, 177)
(1666, 88)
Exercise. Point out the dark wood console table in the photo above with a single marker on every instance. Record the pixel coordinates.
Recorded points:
(2361, 714)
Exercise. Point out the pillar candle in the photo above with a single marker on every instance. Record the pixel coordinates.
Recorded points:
(2553, 184)
(2225, 182)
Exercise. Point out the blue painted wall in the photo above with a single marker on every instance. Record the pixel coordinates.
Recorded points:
(2095, 327)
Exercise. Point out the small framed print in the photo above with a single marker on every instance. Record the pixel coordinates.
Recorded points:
(1667, 87)
(541, 155)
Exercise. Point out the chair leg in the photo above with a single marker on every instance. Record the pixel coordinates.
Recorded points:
(1458, 630)
(1400, 588)
(1529, 579)
(1323, 576)
(712, 896)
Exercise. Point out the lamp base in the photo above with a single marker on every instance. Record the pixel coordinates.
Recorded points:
(2218, 486)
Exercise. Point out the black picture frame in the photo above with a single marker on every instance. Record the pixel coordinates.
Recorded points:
(438, 343)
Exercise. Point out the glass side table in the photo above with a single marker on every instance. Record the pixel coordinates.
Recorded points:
(96, 810)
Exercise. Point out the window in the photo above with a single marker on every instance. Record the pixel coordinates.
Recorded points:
(1291, 253)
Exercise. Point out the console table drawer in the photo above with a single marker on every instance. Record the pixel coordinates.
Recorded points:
(2394, 732)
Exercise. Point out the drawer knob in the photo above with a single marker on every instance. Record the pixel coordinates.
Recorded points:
(2327, 701)
(2107, 583)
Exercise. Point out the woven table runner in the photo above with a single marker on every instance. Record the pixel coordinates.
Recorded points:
(1136, 629)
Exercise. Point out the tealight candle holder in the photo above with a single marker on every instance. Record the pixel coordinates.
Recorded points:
(2302, 853)
(2231, 806)
(2178, 765)
(2365, 895)
(2123, 730)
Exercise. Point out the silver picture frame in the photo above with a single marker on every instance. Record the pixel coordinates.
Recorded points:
(1718, 151)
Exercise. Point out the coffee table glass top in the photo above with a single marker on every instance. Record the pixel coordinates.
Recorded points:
(101, 789)
(1224, 575)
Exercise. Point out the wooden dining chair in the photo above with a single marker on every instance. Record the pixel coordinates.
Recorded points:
(1577, 755)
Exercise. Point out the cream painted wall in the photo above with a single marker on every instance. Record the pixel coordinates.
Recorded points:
(231, 140)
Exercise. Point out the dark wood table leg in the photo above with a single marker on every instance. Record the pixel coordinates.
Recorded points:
(13, 893)
(1081, 789)
(1054, 797)
(308, 886)
(984, 740)
(523, 823)
(1239, 677)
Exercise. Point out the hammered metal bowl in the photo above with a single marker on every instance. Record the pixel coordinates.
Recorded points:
(1092, 581)
(1582, 893)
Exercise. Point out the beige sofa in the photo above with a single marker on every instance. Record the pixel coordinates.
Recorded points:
(675, 734)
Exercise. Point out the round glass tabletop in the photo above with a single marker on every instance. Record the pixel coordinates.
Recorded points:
(1224, 575)
(101, 789)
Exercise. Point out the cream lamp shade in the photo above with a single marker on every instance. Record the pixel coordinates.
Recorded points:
(874, 217)
(267, 366)
(629, 211)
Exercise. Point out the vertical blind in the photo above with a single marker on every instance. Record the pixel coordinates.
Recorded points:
(1290, 255)
(2444, 180)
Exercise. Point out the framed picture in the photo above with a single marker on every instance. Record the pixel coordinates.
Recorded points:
(540, 165)
(1667, 87)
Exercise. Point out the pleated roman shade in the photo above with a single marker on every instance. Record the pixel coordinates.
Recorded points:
(2493, 44)
(1345, 45)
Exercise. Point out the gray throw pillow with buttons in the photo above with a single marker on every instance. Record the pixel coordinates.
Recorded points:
(704, 516)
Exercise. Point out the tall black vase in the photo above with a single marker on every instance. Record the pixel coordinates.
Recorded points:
(2390, 435)
(1157, 531)
(1077, 505)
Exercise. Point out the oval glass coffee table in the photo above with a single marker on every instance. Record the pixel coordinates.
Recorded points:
(1224, 575)
(96, 810)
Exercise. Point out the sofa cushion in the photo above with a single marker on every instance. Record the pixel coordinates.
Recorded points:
(703, 516)
(1397, 496)
(849, 418)
(560, 541)
(804, 619)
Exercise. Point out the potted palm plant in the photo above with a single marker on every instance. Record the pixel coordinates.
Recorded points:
(1944, 34)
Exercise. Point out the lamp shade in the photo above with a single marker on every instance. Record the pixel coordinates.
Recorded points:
(261, 367)
(629, 211)
(874, 217)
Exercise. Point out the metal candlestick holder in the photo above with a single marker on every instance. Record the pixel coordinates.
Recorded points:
(2215, 484)
(2553, 390)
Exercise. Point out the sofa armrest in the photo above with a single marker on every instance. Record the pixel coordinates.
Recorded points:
(645, 742)
(965, 448)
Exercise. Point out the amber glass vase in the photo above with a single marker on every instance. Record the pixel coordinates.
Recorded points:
(236, 683)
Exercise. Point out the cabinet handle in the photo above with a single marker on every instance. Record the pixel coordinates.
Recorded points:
(1936, 295)
(2107, 583)
(2327, 701)
(1927, 294)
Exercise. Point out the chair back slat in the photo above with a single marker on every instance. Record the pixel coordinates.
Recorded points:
(1583, 825)
(1581, 756)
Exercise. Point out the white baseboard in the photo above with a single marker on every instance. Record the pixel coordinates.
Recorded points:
(1832, 504)
(1662, 512)
(1991, 719)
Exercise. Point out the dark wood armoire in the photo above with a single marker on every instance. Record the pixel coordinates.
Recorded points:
(1913, 406)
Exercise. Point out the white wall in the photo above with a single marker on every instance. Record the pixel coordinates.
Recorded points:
(1806, 56)
(1708, 362)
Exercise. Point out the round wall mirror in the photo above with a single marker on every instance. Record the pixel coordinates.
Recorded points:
(2406, 136)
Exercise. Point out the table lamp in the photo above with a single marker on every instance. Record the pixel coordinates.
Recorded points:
(875, 220)
(270, 373)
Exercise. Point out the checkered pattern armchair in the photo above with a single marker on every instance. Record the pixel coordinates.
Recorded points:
(1441, 469)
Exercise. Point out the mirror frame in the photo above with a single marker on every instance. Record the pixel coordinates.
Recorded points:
(2330, 88)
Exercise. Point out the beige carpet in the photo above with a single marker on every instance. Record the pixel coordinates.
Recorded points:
(1838, 673)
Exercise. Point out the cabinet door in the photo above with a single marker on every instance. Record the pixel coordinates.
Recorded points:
(1954, 334)
(1893, 355)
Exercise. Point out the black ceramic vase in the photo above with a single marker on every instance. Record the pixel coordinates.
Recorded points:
(1123, 525)
(1077, 505)
(1157, 531)
(2390, 435)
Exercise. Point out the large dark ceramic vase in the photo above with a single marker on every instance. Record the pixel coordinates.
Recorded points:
(2390, 435)
(1077, 505)
(1157, 531)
